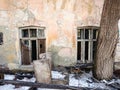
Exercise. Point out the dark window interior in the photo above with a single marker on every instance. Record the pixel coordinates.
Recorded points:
(94, 49)
(25, 33)
(33, 53)
(94, 34)
(1, 38)
(86, 34)
(33, 33)
(86, 50)
(79, 51)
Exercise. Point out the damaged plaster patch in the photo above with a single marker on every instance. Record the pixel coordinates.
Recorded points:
(4, 19)
(23, 15)
(65, 52)
(62, 56)
(21, 4)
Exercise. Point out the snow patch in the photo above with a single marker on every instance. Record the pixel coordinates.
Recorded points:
(9, 77)
(73, 81)
(57, 75)
(7, 87)
(80, 80)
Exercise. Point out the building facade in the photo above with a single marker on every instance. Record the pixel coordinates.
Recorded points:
(65, 28)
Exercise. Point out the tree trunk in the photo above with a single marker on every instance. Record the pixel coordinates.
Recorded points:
(107, 40)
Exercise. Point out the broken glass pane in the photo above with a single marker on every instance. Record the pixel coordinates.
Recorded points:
(82, 33)
(41, 33)
(78, 34)
(33, 33)
(86, 34)
(26, 43)
(94, 34)
(25, 33)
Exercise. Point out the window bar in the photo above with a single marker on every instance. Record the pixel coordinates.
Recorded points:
(37, 44)
(29, 45)
(28, 32)
(83, 46)
(90, 46)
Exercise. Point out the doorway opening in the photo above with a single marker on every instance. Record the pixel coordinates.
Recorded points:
(34, 50)
(32, 42)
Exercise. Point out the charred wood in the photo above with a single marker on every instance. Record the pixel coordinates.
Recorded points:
(115, 85)
(41, 85)
(14, 71)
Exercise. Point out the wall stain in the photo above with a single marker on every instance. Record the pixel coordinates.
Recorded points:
(63, 4)
(54, 3)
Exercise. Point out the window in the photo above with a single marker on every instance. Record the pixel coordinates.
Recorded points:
(1, 38)
(32, 40)
(86, 42)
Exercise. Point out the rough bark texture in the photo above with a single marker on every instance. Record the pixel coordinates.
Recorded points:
(107, 40)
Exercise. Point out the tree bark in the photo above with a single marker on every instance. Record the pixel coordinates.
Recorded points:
(107, 40)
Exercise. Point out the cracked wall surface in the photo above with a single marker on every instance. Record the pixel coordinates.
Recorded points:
(61, 19)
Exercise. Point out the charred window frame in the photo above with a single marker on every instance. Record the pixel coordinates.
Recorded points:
(86, 43)
(1, 38)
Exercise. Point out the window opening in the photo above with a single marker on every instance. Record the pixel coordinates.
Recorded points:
(86, 43)
(32, 40)
(1, 38)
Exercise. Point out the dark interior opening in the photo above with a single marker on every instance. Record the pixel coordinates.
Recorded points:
(25, 33)
(86, 50)
(1, 38)
(94, 49)
(78, 50)
(86, 34)
(33, 53)
(94, 34)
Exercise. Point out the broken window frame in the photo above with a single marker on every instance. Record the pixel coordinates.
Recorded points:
(29, 38)
(83, 39)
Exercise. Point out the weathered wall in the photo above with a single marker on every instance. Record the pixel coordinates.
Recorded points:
(61, 19)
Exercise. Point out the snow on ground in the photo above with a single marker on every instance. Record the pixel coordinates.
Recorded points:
(82, 80)
(12, 87)
(86, 80)
(57, 75)
(9, 77)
